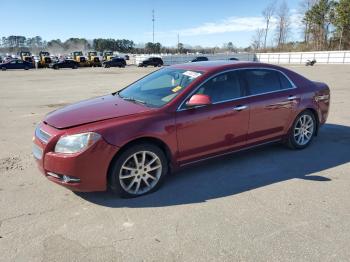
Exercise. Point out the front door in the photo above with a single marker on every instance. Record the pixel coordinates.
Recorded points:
(215, 128)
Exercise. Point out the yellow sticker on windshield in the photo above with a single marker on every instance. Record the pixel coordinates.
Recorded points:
(176, 89)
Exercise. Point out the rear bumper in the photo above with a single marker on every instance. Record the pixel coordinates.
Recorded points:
(89, 167)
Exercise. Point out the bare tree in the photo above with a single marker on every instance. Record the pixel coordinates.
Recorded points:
(283, 23)
(258, 38)
(268, 13)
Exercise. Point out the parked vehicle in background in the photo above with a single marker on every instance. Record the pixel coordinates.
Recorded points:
(233, 59)
(151, 61)
(127, 57)
(173, 117)
(79, 57)
(44, 59)
(107, 55)
(115, 62)
(66, 63)
(94, 59)
(16, 64)
(26, 56)
(200, 59)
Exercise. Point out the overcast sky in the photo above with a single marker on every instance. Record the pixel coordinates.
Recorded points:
(206, 23)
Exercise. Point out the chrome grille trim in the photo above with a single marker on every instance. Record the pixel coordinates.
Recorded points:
(42, 135)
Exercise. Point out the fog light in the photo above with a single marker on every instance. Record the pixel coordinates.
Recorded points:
(64, 178)
(69, 179)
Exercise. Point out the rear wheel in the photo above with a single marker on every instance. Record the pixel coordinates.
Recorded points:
(303, 130)
(75, 67)
(3, 68)
(26, 68)
(56, 67)
(139, 170)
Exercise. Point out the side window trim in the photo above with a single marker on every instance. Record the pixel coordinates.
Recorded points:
(181, 108)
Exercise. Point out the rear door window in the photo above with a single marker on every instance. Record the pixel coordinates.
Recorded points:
(285, 83)
(260, 81)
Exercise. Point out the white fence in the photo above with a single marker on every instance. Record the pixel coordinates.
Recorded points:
(329, 57)
(325, 57)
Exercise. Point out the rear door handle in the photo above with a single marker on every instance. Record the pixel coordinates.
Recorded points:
(292, 98)
(240, 108)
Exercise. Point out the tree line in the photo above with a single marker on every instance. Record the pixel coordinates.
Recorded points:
(14, 44)
(325, 25)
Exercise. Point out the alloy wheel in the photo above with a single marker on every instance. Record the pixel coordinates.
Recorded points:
(304, 130)
(140, 172)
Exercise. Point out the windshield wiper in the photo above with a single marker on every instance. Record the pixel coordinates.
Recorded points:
(131, 99)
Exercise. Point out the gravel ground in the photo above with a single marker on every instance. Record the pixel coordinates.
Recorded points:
(267, 204)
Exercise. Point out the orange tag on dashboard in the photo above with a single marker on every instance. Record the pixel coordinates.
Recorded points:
(176, 89)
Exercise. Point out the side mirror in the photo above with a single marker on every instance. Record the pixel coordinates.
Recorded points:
(199, 100)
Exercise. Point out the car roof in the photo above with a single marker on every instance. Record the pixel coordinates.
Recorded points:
(211, 66)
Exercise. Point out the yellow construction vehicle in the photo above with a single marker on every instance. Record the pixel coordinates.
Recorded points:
(107, 55)
(26, 56)
(45, 59)
(94, 59)
(80, 58)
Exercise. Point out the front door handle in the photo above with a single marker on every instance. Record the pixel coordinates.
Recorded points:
(292, 98)
(240, 108)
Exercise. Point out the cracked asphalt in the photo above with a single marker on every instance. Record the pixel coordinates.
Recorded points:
(267, 204)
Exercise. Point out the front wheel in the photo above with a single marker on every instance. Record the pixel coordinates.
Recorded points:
(3, 68)
(303, 130)
(139, 170)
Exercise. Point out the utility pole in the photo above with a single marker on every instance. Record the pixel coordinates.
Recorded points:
(153, 23)
(178, 40)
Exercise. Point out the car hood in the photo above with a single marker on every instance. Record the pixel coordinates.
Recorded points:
(93, 110)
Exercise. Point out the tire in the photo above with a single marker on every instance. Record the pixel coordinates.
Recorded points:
(75, 67)
(106, 66)
(26, 68)
(124, 172)
(302, 131)
(3, 68)
(56, 67)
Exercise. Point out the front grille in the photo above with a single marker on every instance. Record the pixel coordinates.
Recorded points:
(42, 135)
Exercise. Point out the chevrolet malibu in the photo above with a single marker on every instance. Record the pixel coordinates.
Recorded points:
(130, 140)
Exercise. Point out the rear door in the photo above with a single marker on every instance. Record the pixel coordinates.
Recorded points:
(215, 128)
(272, 101)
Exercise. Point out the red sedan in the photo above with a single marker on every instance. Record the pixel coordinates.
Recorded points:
(130, 140)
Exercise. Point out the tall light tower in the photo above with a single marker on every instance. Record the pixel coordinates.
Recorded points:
(153, 23)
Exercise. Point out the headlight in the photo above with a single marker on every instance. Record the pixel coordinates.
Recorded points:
(76, 143)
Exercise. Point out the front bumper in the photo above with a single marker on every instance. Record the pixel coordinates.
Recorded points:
(88, 169)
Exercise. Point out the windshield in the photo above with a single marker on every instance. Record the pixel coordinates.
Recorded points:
(160, 87)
